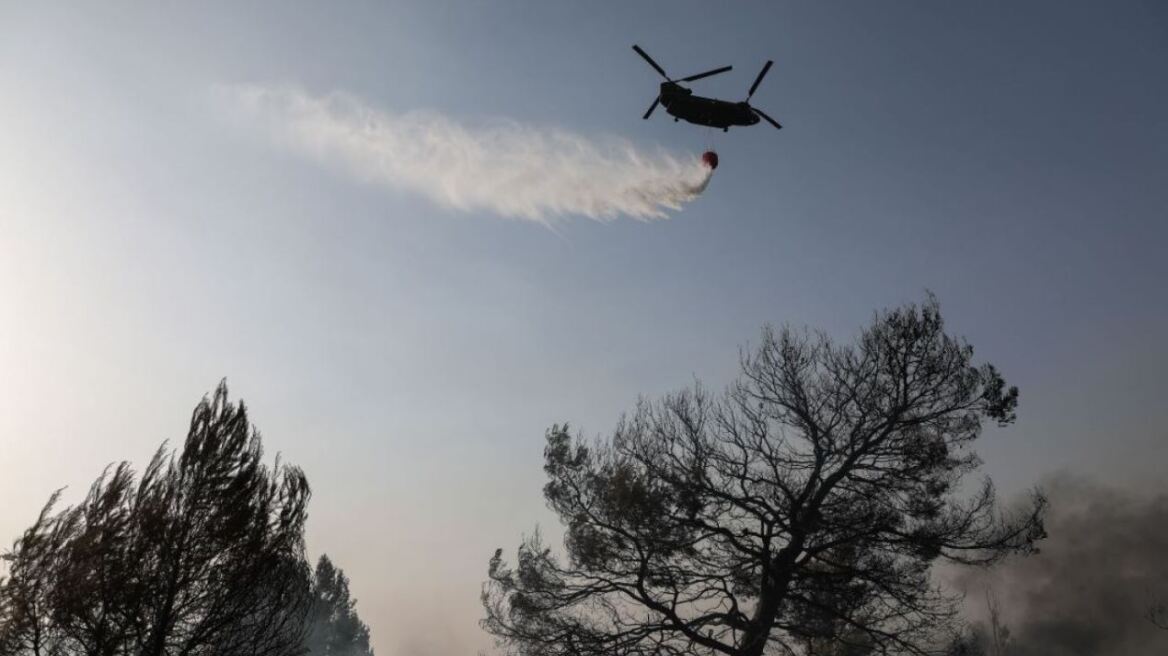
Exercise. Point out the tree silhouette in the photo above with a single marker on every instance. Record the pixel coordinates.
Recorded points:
(334, 629)
(802, 508)
(26, 626)
(202, 554)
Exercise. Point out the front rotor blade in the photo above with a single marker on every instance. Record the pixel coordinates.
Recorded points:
(757, 80)
(650, 60)
(652, 107)
(769, 119)
(706, 74)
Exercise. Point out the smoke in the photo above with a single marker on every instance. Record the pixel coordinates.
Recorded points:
(504, 167)
(1089, 590)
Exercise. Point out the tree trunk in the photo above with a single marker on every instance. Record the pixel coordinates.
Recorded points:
(754, 639)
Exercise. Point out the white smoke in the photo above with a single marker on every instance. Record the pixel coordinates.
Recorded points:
(504, 167)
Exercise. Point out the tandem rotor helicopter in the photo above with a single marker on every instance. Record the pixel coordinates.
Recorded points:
(682, 104)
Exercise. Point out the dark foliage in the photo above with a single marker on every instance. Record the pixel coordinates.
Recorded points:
(798, 513)
(334, 629)
(202, 554)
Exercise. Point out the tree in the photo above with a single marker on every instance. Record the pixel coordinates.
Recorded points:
(25, 604)
(803, 507)
(334, 629)
(202, 554)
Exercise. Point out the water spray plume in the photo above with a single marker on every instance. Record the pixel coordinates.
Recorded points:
(504, 167)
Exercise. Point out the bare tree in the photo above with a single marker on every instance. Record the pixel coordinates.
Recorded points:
(201, 555)
(803, 507)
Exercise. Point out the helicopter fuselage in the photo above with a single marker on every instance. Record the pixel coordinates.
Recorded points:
(681, 103)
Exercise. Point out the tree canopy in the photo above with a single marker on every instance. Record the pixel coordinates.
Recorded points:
(334, 629)
(798, 512)
(201, 554)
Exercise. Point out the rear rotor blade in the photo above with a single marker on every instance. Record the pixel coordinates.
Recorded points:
(768, 119)
(652, 107)
(757, 80)
(706, 74)
(650, 60)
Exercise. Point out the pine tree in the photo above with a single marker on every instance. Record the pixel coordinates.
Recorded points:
(200, 554)
(334, 627)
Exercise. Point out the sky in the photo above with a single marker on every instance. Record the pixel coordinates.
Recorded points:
(1010, 157)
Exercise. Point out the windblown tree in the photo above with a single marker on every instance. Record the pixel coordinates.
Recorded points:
(334, 629)
(799, 512)
(26, 626)
(202, 554)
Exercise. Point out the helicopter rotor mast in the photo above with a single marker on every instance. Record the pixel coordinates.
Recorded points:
(670, 80)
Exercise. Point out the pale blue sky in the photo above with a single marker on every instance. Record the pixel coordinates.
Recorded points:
(1011, 157)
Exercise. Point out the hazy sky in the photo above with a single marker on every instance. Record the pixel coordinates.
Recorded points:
(1011, 157)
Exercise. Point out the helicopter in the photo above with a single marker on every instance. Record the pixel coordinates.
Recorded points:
(681, 102)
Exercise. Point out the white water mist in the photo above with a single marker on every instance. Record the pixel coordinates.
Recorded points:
(505, 167)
